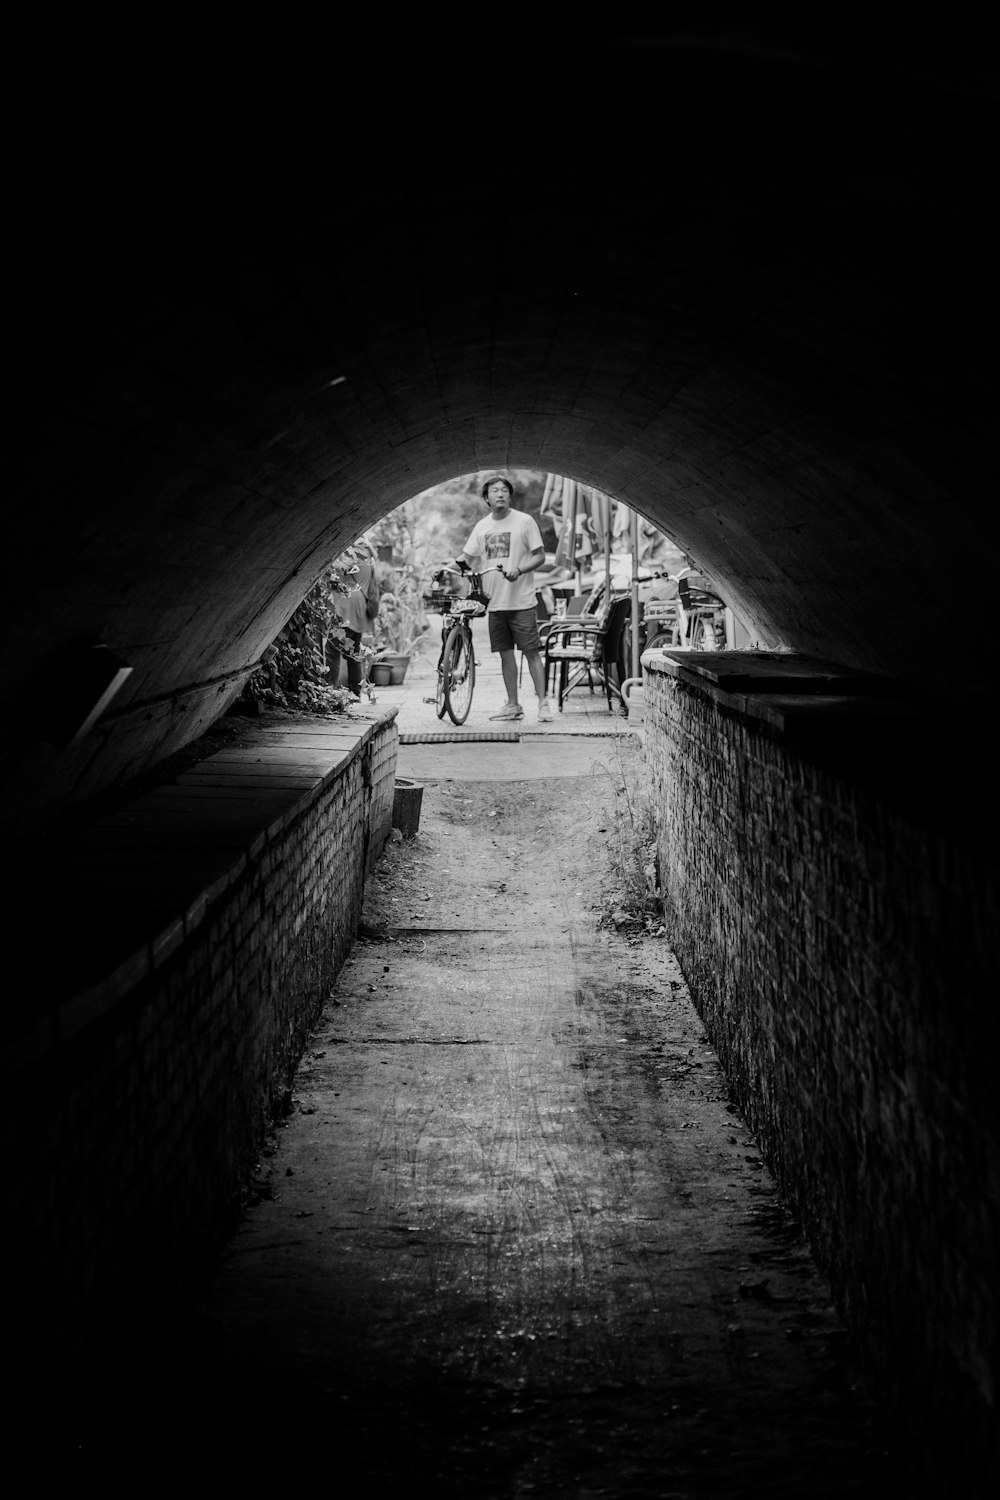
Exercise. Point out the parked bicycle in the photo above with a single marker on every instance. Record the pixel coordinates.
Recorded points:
(689, 615)
(695, 617)
(459, 599)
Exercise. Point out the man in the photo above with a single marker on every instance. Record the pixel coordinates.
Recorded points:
(510, 541)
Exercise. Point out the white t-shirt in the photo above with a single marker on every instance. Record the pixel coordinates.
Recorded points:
(510, 543)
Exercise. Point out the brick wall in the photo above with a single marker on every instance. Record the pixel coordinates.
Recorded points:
(129, 1145)
(838, 930)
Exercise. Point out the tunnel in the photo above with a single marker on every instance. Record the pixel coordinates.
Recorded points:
(737, 274)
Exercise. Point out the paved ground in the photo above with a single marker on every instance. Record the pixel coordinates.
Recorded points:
(514, 1238)
(432, 749)
(584, 712)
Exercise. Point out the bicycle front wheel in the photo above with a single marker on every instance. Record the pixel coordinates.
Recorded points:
(439, 698)
(458, 668)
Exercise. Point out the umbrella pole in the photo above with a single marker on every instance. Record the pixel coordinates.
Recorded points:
(635, 594)
(606, 520)
(577, 588)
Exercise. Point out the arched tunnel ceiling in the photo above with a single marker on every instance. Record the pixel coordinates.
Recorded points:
(738, 279)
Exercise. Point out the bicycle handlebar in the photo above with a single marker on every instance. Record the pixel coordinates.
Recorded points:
(674, 577)
(472, 573)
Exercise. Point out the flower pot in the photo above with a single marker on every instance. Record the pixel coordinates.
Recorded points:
(397, 666)
(381, 674)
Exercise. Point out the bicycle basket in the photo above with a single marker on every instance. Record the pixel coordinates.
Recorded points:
(660, 609)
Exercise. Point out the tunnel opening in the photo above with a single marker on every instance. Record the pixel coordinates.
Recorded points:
(767, 319)
(588, 542)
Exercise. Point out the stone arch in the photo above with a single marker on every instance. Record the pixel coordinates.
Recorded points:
(736, 278)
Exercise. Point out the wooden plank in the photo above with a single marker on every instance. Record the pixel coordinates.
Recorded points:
(778, 672)
(266, 780)
(272, 783)
(309, 739)
(826, 713)
(272, 755)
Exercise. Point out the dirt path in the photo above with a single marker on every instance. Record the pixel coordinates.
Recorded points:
(513, 1238)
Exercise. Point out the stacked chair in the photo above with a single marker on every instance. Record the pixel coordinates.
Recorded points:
(584, 646)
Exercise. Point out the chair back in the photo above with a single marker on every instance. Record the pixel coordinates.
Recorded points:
(595, 603)
(618, 617)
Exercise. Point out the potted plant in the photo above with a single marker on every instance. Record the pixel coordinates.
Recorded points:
(400, 627)
(397, 663)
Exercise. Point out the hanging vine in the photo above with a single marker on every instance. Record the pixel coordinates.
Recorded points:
(294, 670)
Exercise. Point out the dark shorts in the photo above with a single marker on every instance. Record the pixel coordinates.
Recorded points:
(513, 629)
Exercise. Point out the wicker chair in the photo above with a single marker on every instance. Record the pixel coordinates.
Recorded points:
(586, 649)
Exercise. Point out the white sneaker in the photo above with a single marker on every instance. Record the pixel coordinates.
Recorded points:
(509, 711)
(544, 711)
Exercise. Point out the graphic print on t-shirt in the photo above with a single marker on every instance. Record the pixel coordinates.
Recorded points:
(498, 545)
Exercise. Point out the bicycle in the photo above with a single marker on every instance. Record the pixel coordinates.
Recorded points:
(456, 667)
(692, 618)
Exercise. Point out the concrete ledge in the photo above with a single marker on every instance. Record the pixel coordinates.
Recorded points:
(127, 893)
(781, 672)
(881, 734)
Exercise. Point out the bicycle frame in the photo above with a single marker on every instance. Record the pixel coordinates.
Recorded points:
(456, 666)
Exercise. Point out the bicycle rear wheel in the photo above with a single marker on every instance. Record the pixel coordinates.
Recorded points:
(704, 635)
(458, 670)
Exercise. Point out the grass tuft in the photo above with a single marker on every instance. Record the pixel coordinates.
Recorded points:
(632, 898)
